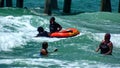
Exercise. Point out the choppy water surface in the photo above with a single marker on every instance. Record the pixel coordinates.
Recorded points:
(19, 47)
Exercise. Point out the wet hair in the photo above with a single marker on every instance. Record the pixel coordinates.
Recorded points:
(107, 36)
(52, 18)
(40, 29)
(44, 45)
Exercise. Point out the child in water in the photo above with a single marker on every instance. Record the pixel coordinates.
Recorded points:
(44, 50)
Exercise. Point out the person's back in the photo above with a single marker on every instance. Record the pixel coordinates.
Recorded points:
(42, 33)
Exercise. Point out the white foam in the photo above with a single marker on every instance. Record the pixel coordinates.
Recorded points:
(15, 31)
(10, 40)
(41, 39)
(115, 38)
(60, 63)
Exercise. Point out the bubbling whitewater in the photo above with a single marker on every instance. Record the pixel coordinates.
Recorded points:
(20, 48)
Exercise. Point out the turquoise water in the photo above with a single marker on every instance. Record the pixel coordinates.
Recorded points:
(19, 47)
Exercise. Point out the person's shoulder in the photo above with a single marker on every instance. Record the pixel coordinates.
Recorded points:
(55, 23)
(110, 43)
(45, 32)
(103, 41)
(43, 51)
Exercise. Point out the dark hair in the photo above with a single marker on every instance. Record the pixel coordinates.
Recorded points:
(52, 18)
(107, 35)
(44, 45)
(40, 29)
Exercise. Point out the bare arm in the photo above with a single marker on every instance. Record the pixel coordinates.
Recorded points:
(97, 49)
(43, 51)
(59, 27)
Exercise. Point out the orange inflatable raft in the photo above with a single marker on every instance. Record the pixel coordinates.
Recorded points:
(65, 33)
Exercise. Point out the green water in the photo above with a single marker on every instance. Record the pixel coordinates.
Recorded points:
(19, 47)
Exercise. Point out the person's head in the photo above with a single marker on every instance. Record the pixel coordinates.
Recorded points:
(44, 45)
(107, 37)
(52, 19)
(40, 29)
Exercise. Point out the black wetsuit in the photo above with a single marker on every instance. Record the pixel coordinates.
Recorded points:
(53, 27)
(104, 48)
(43, 34)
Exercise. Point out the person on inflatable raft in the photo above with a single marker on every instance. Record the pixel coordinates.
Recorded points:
(54, 27)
